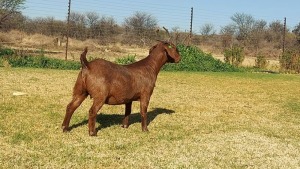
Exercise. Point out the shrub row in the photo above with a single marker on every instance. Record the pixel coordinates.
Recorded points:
(193, 59)
(35, 61)
(43, 62)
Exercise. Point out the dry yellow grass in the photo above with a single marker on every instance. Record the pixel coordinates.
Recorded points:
(197, 120)
(38, 42)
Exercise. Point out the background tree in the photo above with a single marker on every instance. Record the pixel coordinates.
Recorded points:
(227, 35)
(207, 29)
(257, 34)
(92, 18)
(243, 24)
(77, 25)
(10, 10)
(296, 31)
(274, 33)
(107, 30)
(16, 21)
(141, 26)
(207, 32)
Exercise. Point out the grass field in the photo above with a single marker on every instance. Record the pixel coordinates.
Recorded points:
(196, 120)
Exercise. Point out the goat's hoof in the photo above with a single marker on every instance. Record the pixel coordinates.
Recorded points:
(65, 129)
(93, 133)
(145, 130)
(125, 126)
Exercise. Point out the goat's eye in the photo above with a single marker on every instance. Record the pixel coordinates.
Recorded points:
(170, 46)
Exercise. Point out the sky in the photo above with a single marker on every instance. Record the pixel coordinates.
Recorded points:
(173, 13)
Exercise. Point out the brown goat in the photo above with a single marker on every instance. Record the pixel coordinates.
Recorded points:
(113, 84)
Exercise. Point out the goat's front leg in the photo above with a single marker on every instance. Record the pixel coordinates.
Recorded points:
(125, 123)
(143, 108)
(97, 104)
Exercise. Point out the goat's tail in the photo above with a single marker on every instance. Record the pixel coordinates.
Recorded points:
(83, 60)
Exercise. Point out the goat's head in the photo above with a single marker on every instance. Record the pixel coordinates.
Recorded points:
(170, 50)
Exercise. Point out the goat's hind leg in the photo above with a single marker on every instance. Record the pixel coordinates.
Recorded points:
(143, 108)
(97, 104)
(125, 123)
(72, 106)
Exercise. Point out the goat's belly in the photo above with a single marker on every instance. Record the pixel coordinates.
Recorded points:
(117, 101)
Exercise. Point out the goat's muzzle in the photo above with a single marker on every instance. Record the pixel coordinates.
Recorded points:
(177, 60)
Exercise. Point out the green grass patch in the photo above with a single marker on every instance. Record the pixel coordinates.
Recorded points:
(292, 111)
(19, 138)
(294, 106)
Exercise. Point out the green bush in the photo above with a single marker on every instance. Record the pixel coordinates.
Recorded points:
(290, 61)
(126, 60)
(234, 55)
(261, 61)
(194, 59)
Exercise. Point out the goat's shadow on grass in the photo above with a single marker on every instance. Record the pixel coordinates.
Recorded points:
(107, 120)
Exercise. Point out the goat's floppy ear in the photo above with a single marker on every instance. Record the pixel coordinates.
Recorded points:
(171, 52)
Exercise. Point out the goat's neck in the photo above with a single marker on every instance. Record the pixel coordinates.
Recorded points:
(151, 64)
(156, 61)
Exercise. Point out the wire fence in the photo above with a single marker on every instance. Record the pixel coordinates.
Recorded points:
(107, 23)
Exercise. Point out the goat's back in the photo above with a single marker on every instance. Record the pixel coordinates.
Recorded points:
(101, 67)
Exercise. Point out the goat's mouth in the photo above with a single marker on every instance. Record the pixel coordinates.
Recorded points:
(173, 59)
(177, 60)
